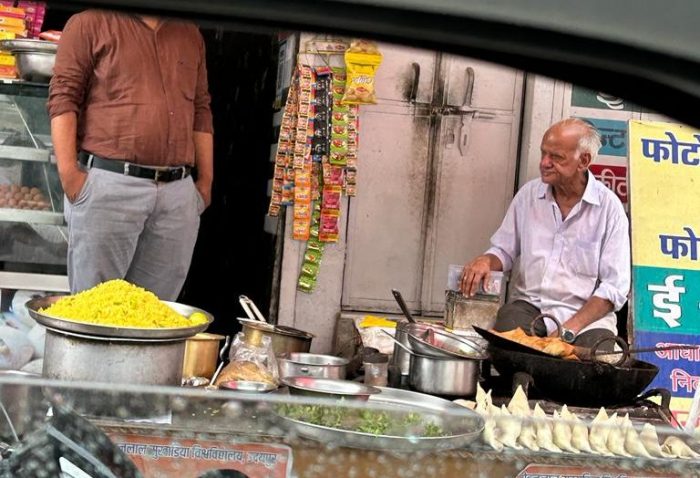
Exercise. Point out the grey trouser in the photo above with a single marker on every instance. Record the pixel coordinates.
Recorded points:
(520, 314)
(122, 227)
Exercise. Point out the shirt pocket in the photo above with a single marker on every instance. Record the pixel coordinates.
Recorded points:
(187, 78)
(585, 258)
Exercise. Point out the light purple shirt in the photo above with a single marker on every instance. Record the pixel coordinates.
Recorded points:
(562, 263)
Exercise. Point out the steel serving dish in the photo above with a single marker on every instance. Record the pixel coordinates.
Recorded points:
(461, 426)
(439, 343)
(35, 59)
(34, 65)
(400, 358)
(329, 388)
(247, 386)
(312, 365)
(67, 325)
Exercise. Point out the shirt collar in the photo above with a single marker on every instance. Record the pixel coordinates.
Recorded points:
(590, 194)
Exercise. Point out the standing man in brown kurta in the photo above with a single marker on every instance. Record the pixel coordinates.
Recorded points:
(131, 123)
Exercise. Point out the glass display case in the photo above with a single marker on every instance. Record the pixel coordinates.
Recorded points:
(35, 240)
(194, 432)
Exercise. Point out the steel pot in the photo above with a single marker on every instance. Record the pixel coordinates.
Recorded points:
(283, 339)
(22, 403)
(444, 376)
(78, 357)
(400, 358)
(312, 365)
(201, 355)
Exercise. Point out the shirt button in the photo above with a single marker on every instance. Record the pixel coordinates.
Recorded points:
(171, 113)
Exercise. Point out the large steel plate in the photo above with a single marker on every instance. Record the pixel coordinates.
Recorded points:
(22, 44)
(67, 325)
(462, 426)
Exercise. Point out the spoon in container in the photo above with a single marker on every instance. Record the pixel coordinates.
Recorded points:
(222, 357)
(402, 304)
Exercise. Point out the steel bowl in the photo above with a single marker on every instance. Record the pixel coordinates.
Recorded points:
(34, 66)
(313, 365)
(329, 388)
(247, 386)
(446, 345)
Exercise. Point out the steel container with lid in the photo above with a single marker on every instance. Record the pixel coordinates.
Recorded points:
(284, 339)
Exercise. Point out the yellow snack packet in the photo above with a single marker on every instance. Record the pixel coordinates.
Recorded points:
(375, 321)
(361, 61)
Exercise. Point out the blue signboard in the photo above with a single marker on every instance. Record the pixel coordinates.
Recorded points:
(613, 136)
(679, 370)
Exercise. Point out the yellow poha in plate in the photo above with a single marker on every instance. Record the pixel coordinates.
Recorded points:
(118, 303)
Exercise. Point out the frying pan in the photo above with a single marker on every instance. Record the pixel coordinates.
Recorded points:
(574, 382)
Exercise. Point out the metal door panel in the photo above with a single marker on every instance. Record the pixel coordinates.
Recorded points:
(473, 189)
(396, 76)
(495, 87)
(385, 237)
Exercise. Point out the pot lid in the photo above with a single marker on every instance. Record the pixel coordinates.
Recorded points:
(276, 329)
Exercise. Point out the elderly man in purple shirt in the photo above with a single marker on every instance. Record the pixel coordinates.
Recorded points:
(570, 236)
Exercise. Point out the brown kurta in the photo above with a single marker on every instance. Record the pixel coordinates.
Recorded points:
(140, 94)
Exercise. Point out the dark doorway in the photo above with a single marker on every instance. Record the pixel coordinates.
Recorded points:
(234, 255)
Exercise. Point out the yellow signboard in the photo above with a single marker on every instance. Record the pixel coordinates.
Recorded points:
(665, 192)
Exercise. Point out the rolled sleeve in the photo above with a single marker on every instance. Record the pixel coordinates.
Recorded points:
(203, 122)
(505, 242)
(614, 266)
(72, 69)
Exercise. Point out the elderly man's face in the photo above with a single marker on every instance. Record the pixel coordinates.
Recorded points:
(561, 163)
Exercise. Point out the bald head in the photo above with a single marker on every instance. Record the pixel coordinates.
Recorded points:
(588, 136)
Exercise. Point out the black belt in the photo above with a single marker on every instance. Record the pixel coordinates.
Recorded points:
(164, 175)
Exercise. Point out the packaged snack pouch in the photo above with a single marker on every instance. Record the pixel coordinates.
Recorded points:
(361, 60)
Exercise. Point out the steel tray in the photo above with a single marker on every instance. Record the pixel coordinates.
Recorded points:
(463, 425)
(67, 325)
(22, 44)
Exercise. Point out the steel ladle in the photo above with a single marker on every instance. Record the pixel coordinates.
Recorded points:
(402, 304)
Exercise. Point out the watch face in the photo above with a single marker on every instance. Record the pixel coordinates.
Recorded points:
(568, 336)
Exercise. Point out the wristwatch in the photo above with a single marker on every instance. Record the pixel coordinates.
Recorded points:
(568, 335)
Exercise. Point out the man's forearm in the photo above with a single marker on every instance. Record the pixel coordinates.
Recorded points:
(593, 310)
(204, 156)
(64, 135)
(204, 161)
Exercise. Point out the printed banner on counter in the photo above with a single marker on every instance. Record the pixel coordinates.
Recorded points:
(159, 456)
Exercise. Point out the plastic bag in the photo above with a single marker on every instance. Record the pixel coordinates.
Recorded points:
(250, 361)
(15, 349)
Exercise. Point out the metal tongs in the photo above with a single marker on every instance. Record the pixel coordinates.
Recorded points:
(594, 354)
(251, 310)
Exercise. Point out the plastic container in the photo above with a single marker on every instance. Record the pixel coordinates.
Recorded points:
(493, 286)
